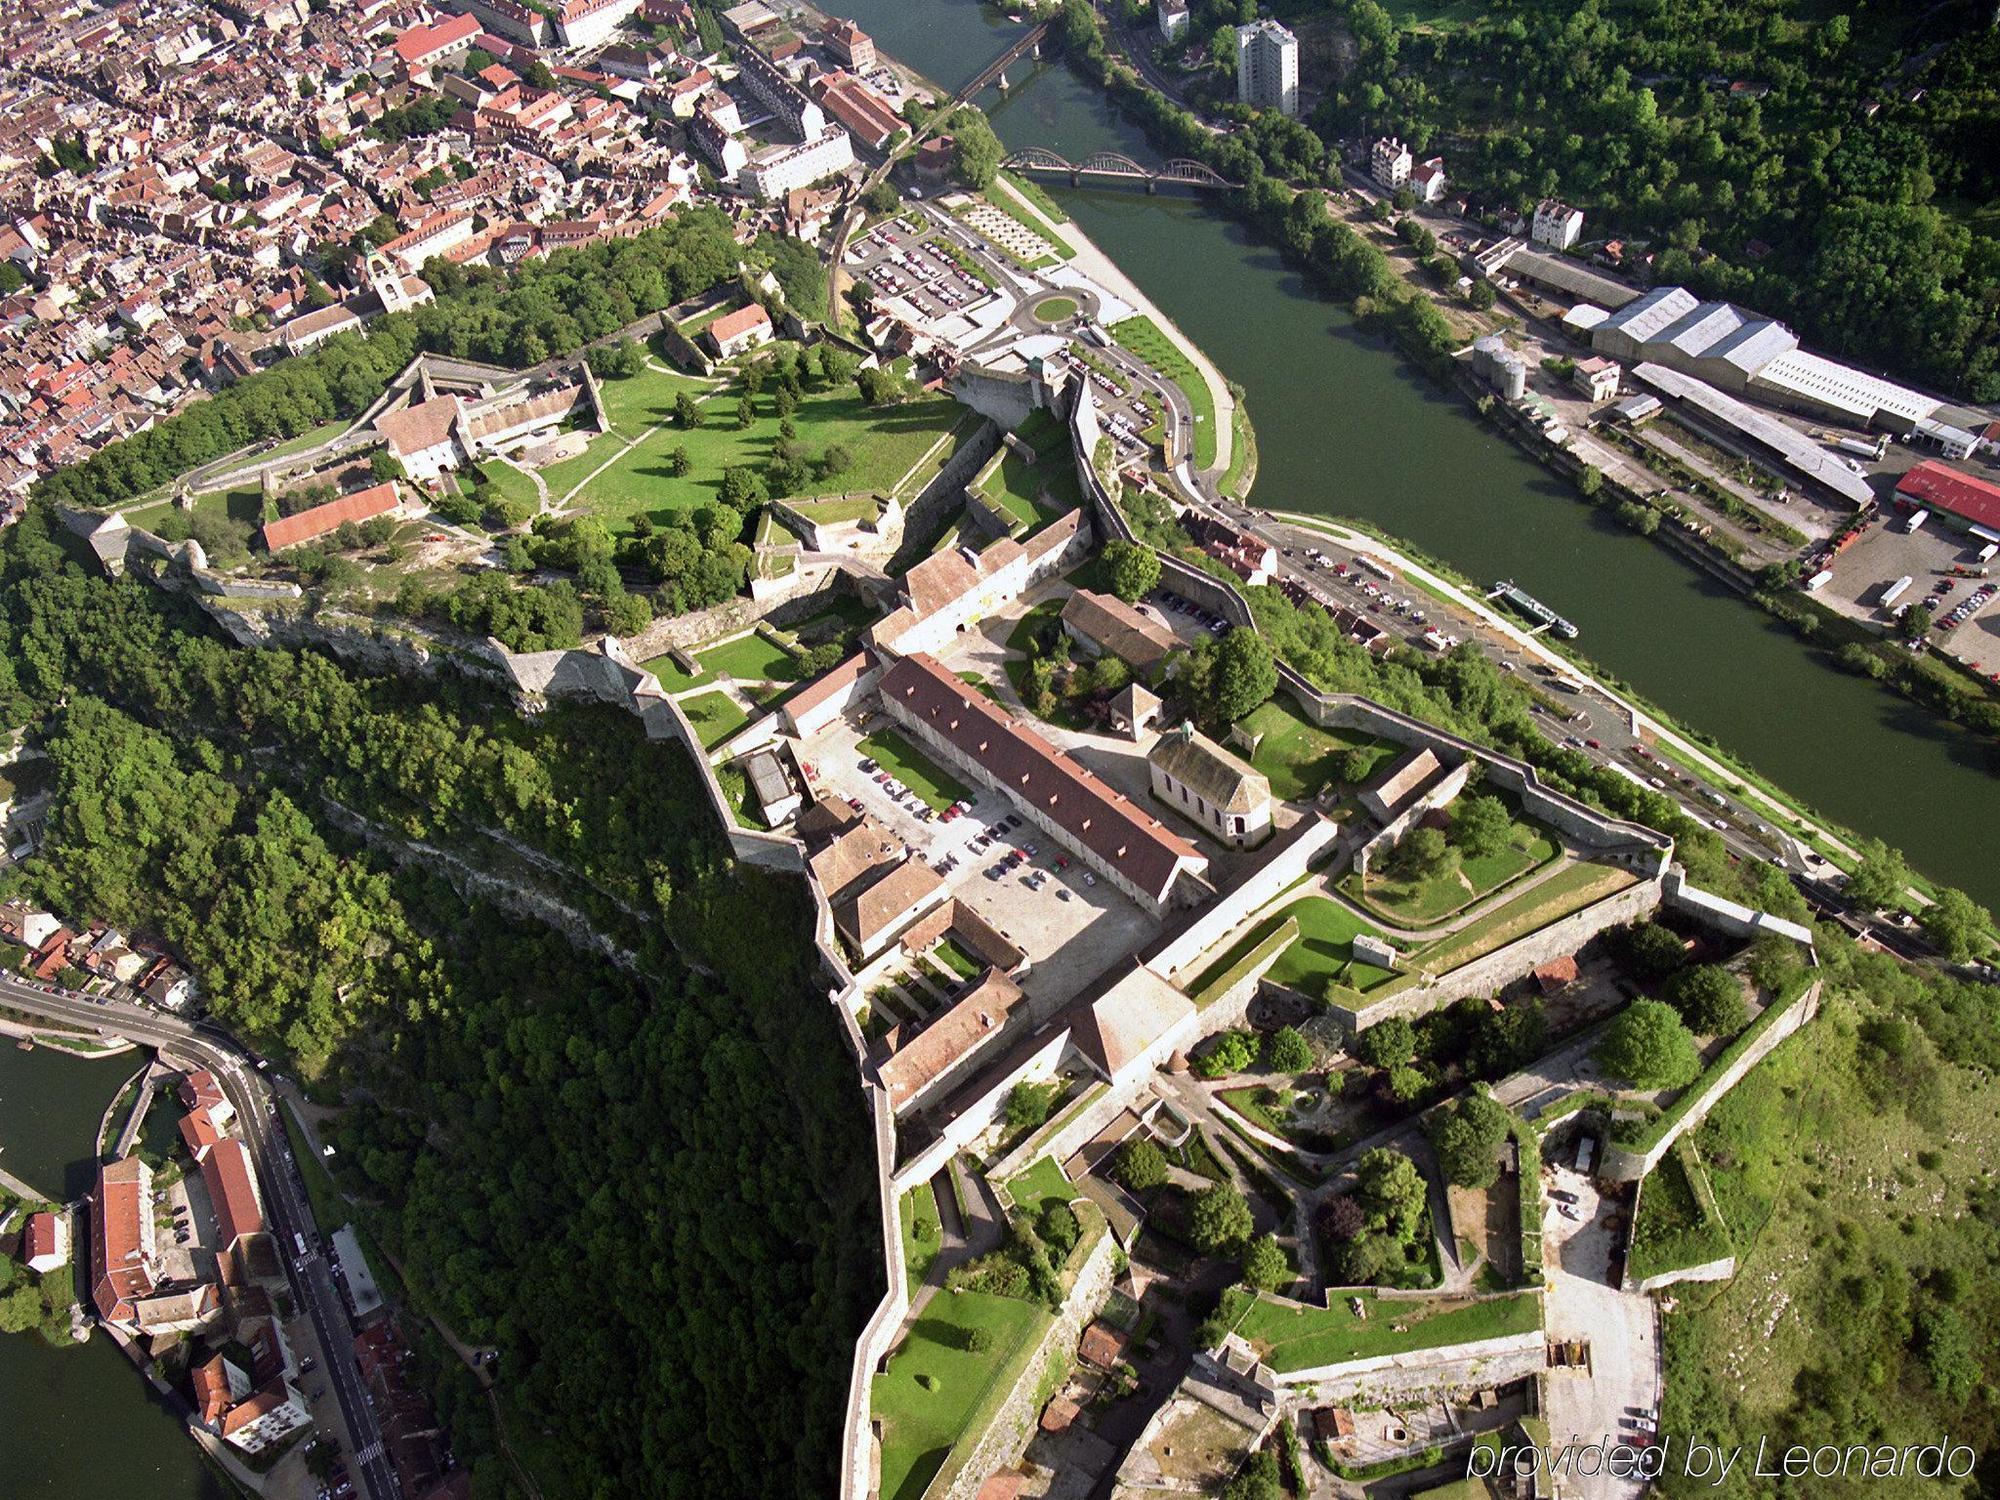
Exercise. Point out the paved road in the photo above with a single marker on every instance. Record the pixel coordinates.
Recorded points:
(285, 1204)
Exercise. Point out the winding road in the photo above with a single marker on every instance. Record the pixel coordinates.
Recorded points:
(285, 1205)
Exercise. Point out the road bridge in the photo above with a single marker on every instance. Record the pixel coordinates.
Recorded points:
(1113, 166)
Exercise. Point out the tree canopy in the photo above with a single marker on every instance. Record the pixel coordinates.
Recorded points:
(1649, 1047)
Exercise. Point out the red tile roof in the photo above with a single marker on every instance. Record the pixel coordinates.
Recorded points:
(225, 1171)
(1088, 810)
(321, 519)
(40, 1239)
(421, 42)
(211, 1390)
(729, 325)
(118, 1272)
(1934, 484)
(978, 1016)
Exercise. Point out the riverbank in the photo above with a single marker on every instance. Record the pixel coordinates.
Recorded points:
(1086, 257)
(1412, 319)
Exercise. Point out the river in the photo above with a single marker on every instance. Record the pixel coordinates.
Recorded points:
(78, 1423)
(1346, 428)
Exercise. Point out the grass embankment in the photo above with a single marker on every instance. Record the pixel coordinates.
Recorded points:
(1678, 1225)
(1145, 340)
(923, 1233)
(1418, 903)
(937, 1382)
(1296, 1337)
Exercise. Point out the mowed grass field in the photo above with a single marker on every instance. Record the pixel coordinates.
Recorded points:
(936, 1384)
(1299, 758)
(715, 716)
(1324, 949)
(624, 473)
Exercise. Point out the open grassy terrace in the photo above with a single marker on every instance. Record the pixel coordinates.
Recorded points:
(936, 1383)
(625, 473)
(244, 507)
(1296, 1337)
(1300, 758)
(748, 658)
(715, 716)
(1041, 1185)
(1417, 903)
(1324, 949)
(923, 1232)
(913, 768)
(1143, 338)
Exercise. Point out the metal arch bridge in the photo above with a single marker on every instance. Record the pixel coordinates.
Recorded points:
(1116, 167)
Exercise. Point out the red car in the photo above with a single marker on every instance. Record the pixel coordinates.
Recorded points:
(1595, 745)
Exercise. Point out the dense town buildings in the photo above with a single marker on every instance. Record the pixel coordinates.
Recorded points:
(191, 193)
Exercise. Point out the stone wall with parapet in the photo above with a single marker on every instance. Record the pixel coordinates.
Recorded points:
(604, 673)
(1007, 1436)
(1480, 1364)
(1607, 838)
(1284, 865)
(1503, 966)
(809, 589)
(1620, 1164)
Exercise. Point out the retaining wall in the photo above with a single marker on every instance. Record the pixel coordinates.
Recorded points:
(1516, 960)
(1608, 838)
(1239, 902)
(1620, 1164)
(1483, 1362)
(1713, 1270)
(1006, 1437)
(805, 591)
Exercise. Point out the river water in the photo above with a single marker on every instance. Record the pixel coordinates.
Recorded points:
(77, 1423)
(1346, 428)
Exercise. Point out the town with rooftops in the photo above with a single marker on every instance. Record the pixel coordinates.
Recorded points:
(1290, 993)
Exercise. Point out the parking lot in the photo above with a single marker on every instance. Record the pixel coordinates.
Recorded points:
(911, 265)
(1618, 1397)
(1867, 571)
(1127, 408)
(1070, 923)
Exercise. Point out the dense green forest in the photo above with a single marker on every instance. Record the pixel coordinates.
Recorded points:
(649, 1187)
(1856, 147)
(1829, 166)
